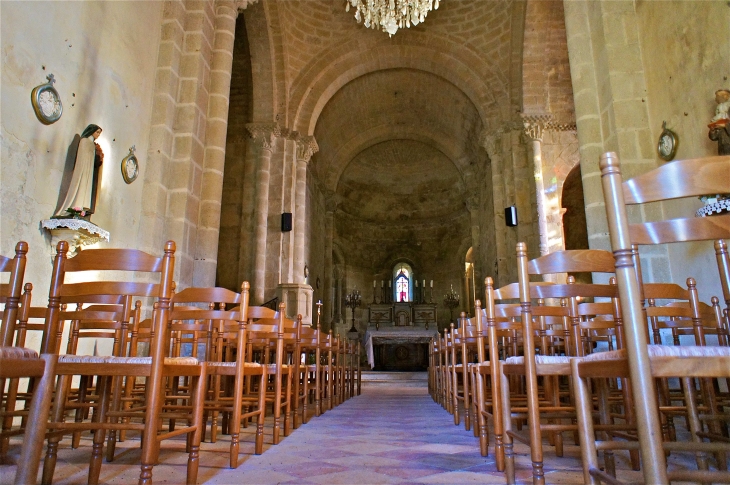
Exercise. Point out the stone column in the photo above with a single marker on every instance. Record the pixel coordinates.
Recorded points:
(306, 147)
(206, 250)
(263, 137)
(534, 126)
(329, 236)
(491, 141)
(337, 273)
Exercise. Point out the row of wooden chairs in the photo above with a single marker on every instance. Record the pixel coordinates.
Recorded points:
(254, 359)
(529, 357)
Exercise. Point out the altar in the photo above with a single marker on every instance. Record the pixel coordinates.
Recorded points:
(398, 335)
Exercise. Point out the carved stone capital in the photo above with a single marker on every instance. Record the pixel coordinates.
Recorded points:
(491, 142)
(242, 4)
(263, 134)
(306, 147)
(535, 124)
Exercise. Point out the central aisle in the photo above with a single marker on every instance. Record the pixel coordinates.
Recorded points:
(386, 435)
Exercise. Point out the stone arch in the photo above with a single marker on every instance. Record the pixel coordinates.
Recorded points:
(339, 161)
(323, 78)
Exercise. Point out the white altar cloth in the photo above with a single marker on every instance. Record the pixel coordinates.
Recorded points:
(396, 335)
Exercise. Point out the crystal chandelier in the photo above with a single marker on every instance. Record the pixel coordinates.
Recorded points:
(391, 15)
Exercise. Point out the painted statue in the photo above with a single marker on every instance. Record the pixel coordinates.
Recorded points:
(720, 123)
(80, 199)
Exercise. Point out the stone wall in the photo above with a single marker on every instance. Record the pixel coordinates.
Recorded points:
(101, 80)
(686, 58)
(634, 65)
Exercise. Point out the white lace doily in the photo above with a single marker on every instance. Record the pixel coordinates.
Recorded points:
(76, 224)
(715, 208)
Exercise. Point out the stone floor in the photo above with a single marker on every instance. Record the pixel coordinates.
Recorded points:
(389, 434)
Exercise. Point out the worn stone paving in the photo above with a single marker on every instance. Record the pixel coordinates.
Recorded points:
(389, 434)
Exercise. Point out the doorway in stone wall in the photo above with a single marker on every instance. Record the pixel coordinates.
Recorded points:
(575, 229)
(235, 261)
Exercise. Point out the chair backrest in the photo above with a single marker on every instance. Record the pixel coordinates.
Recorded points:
(213, 309)
(573, 261)
(10, 292)
(149, 276)
(681, 178)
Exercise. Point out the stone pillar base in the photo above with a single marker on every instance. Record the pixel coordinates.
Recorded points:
(298, 299)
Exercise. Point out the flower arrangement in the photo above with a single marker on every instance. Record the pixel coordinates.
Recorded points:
(76, 212)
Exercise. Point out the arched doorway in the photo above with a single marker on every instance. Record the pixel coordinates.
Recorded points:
(575, 230)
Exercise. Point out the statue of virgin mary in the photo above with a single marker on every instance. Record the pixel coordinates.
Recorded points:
(80, 198)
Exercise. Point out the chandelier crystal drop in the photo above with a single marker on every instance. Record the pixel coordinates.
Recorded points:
(391, 15)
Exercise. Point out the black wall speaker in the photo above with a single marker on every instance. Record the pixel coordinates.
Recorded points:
(510, 216)
(286, 222)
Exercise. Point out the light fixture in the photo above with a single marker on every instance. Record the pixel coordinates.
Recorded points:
(353, 301)
(391, 15)
(451, 301)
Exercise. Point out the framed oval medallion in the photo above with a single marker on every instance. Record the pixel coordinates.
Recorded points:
(130, 167)
(667, 145)
(46, 102)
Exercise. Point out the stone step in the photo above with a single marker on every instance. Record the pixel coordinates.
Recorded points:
(402, 379)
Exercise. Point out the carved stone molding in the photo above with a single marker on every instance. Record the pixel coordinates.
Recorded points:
(263, 134)
(306, 147)
(535, 124)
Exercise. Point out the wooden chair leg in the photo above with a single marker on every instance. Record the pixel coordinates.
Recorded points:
(259, 441)
(57, 415)
(509, 458)
(103, 389)
(583, 408)
(30, 454)
(197, 389)
(604, 414)
(693, 420)
(288, 407)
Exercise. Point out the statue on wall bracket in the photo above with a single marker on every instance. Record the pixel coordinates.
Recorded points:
(720, 124)
(79, 191)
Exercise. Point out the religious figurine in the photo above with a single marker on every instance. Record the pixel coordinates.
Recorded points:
(80, 199)
(720, 124)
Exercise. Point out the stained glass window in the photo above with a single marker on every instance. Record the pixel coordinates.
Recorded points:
(402, 285)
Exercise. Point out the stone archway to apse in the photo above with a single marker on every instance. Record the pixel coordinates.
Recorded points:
(575, 229)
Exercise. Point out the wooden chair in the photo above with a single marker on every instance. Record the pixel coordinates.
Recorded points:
(640, 361)
(309, 374)
(151, 278)
(228, 316)
(20, 362)
(538, 335)
(268, 334)
(14, 397)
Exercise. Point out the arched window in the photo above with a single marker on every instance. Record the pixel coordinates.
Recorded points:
(402, 275)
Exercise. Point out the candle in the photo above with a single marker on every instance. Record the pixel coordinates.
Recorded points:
(424, 283)
(416, 283)
(388, 283)
(373, 283)
(382, 283)
(431, 283)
